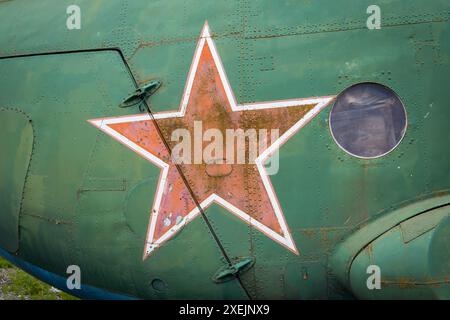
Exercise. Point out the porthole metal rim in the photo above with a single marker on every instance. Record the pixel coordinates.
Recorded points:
(381, 155)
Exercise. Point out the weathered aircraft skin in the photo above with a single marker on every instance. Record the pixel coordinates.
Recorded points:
(88, 178)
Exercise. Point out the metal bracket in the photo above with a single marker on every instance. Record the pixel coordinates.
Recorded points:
(229, 272)
(140, 94)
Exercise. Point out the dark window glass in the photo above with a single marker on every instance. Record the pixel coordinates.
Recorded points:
(368, 120)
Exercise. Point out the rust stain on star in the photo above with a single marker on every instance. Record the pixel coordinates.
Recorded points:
(236, 180)
(242, 186)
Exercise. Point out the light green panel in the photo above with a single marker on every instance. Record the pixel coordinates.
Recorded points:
(112, 24)
(63, 92)
(320, 65)
(30, 22)
(315, 16)
(128, 24)
(433, 70)
(183, 20)
(99, 21)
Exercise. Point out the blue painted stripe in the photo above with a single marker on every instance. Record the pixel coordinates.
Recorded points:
(86, 291)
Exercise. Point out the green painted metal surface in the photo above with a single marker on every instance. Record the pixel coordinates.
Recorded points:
(80, 183)
(87, 199)
(16, 147)
(407, 264)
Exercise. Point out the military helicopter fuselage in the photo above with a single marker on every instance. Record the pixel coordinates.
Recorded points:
(227, 149)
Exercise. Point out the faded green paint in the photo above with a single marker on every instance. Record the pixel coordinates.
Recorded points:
(87, 199)
(407, 265)
(16, 146)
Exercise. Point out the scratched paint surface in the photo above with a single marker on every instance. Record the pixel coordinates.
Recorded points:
(235, 185)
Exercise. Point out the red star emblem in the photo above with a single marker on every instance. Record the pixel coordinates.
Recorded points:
(244, 189)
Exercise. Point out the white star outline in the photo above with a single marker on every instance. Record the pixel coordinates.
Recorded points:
(151, 244)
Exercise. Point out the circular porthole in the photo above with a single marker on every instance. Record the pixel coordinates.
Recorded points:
(159, 285)
(368, 120)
